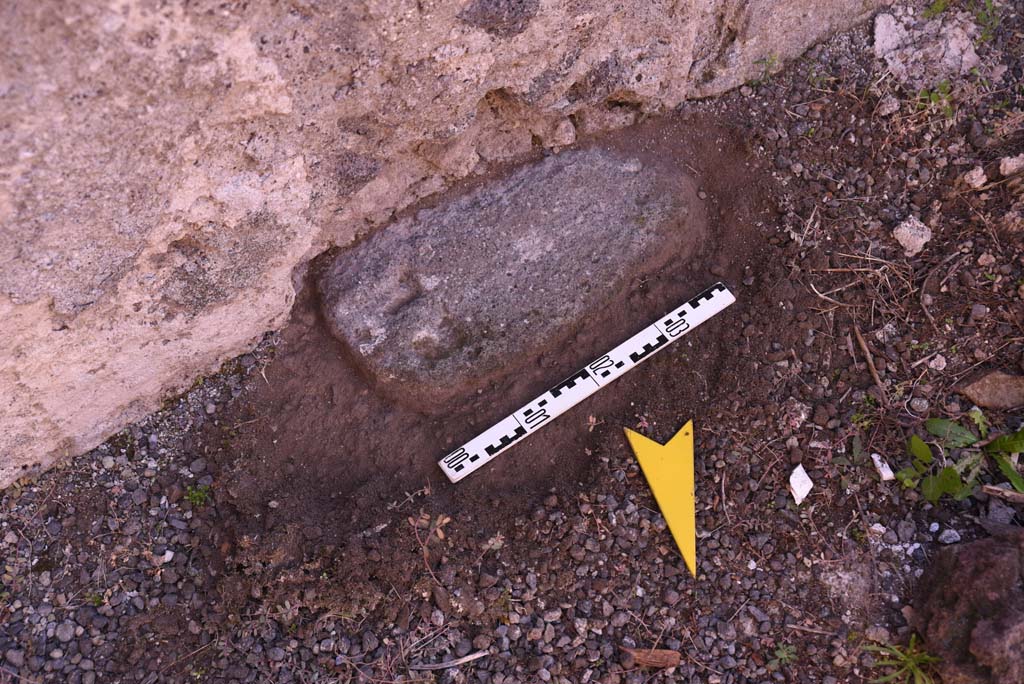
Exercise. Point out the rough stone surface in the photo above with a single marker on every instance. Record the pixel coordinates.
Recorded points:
(920, 53)
(997, 390)
(912, 235)
(1009, 166)
(166, 168)
(971, 610)
(463, 288)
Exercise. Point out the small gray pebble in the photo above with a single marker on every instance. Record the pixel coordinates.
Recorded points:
(553, 615)
(906, 531)
(65, 632)
(949, 536)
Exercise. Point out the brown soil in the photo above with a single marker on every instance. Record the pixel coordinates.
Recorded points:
(314, 455)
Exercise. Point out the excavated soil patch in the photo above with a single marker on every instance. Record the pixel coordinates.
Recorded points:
(316, 453)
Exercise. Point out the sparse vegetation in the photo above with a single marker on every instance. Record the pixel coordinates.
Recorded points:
(938, 98)
(959, 478)
(198, 495)
(910, 665)
(988, 17)
(769, 65)
(784, 655)
(935, 9)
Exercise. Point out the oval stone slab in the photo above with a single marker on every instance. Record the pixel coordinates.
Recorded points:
(457, 290)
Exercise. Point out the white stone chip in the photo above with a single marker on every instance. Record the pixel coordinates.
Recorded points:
(884, 471)
(800, 484)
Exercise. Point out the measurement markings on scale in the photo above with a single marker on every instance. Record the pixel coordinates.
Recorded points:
(484, 447)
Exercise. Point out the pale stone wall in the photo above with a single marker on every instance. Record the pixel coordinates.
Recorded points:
(165, 171)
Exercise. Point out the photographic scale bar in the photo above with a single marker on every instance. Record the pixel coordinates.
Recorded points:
(478, 451)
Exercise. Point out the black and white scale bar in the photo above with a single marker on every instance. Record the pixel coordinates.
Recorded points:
(584, 382)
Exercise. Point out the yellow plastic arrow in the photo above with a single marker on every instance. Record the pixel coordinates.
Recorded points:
(669, 472)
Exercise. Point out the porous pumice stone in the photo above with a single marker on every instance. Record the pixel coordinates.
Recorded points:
(454, 291)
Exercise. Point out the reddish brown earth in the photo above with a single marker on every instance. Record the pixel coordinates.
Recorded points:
(315, 437)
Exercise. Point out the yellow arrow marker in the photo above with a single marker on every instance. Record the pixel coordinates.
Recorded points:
(669, 472)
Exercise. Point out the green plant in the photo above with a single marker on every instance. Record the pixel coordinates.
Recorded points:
(768, 66)
(935, 9)
(959, 479)
(784, 655)
(912, 665)
(94, 599)
(980, 422)
(938, 97)
(198, 495)
(988, 18)
(818, 80)
(861, 421)
(863, 417)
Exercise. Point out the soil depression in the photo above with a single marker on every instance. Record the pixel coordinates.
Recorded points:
(317, 455)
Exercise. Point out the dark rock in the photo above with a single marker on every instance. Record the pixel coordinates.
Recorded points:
(465, 287)
(971, 610)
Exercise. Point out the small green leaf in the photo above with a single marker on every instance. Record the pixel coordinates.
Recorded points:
(1008, 471)
(966, 491)
(952, 434)
(919, 450)
(946, 482)
(857, 448)
(980, 421)
(1008, 444)
(950, 480)
(907, 477)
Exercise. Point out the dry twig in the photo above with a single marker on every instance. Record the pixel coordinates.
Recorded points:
(871, 365)
(1004, 494)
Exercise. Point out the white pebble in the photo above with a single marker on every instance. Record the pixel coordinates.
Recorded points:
(884, 471)
(800, 484)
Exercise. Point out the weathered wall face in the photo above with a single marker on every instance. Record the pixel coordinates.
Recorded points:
(164, 170)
